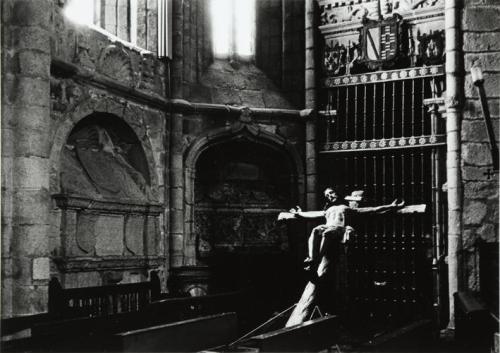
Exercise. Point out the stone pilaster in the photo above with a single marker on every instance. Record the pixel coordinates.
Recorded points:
(25, 152)
(310, 103)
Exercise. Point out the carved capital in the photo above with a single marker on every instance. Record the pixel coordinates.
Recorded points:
(452, 102)
(246, 115)
(436, 106)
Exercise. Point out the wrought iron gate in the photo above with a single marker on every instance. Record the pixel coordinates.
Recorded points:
(382, 140)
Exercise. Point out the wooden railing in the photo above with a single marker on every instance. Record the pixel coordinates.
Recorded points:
(102, 300)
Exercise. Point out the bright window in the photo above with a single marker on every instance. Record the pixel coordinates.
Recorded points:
(233, 27)
(80, 11)
(118, 18)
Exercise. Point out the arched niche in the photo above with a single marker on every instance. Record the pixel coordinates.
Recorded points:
(240, 187)
(109, 214)
(237, 179)
(103, 159)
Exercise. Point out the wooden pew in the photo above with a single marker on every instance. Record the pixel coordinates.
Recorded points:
(182, 336)
(309, 336)
(92, 333)
(101, 300)
(186, 308)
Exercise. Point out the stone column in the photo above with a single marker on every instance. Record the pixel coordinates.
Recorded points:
(25, 155)
(454, 105)
(176, 193)
(310, 103)
(176, 147)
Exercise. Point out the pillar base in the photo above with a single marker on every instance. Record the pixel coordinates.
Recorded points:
(190, 280)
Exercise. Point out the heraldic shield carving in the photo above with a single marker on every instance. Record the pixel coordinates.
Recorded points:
(381, 42)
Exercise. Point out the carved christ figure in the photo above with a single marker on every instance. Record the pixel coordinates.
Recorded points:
(336, 229)
(338, 219)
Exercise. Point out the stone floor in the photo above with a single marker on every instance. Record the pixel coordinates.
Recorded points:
(416, 340)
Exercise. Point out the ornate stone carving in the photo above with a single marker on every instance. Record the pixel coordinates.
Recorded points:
(65, 94)
(340, 59)
(119, 263)
(82, 52)
(115, 62)
(148, 74)
(381, 42)
(336, 11)
(104, 164)
(431, 48)
(385, 44)
(246, 115)
(231, 230)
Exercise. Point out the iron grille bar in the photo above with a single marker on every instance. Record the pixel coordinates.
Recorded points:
(384, 104)
(383, 76)
(422, 108)
(356, 112)
(385, 144)
(365, 99)
(412, 108)
(385, 113)
(393, 115)
(374, 117)
(346, 113)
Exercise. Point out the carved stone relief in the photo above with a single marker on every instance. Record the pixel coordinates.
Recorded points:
(232, 231)
(96, 165)
(109, 211)
(66, 94)
(334, 11)
(97, 53)
(82, 52)
(237, 199)
(381, 34)
(414, 48)
(116, 63)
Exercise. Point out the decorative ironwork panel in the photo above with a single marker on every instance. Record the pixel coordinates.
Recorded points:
(383, 111)
(389, 258)
(382, 140)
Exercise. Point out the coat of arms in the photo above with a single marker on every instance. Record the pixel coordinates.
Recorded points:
(380, 42)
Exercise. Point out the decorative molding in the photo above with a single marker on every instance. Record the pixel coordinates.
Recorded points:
(384, 144)
(81, 203)
(120, 263)
(384, 76)
(452, 102)
(116, 63)
(336, 13)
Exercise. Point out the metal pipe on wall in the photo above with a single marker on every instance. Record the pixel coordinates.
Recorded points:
(454, 102)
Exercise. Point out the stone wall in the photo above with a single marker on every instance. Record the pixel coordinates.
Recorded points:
(481, 45)
(26, 28)
(54, 75)
(283, 135)
(118, 238)
(192, 45)
(280, 46)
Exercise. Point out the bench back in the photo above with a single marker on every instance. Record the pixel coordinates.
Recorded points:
(103, 300)
(309, 336)
(182, 336)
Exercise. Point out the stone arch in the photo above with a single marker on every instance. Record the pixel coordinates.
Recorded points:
(235, 132)
(111, 108)
(105, 237)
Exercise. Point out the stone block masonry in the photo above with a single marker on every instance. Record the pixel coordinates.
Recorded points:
(481, 34)
(26, 57)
